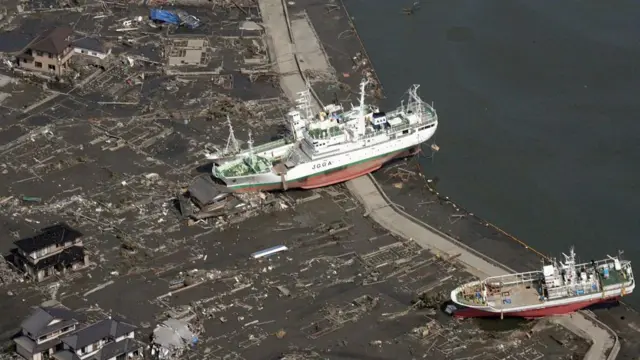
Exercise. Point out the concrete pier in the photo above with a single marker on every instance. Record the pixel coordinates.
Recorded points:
(389, 216)
(381, 209)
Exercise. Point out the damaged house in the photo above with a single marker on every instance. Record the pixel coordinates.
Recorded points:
(49, 53)
(171, 337)
(91, 47)
(213, 199)
(55, 250)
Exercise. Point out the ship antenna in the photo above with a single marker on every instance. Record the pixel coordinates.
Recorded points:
(363, 85)
(250, 142)
(231, 140)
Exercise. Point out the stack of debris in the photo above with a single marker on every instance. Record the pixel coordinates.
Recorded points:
(214, 200)
(171, 338)
(7, 273)
(430, 301)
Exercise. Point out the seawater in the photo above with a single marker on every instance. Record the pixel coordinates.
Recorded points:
(539, 112)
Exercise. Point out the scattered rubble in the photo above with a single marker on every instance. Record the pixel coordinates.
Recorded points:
(115, 146)
(171, 338)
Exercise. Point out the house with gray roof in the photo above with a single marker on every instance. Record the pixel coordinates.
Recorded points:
(91, 47)
(40, 333)
(108, 339)
(56, 334)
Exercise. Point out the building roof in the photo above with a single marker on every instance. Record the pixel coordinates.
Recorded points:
(205, 190)
(53, 41)
(109, 351)
(37, 323)
(115, 349)
(52, 235)
(89, 43)
(107, 328)
(33, 347)
(65, 355)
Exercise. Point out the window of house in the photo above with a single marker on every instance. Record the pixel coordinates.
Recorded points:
(83, 51)
(39, 53)
(53, 67)
(38, 64)
(50, 56)
(93, 53)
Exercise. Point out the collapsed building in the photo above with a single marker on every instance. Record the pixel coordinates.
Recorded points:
(171, 337)
(214, 200)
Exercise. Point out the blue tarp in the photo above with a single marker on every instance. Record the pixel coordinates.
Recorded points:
(175, 17)
(164, 16)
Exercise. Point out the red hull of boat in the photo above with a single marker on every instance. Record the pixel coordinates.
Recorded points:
(335, 177)
(535, 313)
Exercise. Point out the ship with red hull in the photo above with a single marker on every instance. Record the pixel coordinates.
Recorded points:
(559, 288)
(329, 146)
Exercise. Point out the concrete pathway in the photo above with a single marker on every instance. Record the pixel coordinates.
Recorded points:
(281, 49)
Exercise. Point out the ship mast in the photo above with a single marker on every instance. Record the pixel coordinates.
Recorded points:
(231, 140)
(303, 103)
(415, 104)
(250, 142)
(363, 85)
(570, 267)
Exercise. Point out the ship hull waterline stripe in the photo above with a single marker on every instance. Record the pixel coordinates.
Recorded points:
(332, 176)
(467, 312)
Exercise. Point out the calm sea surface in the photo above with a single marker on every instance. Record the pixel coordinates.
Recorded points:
(539, 105)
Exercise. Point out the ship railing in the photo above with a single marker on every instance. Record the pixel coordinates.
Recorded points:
(570, 290)
(623, 263)
(388, 132)
(429, 115)
(514, 279)
(269, 145)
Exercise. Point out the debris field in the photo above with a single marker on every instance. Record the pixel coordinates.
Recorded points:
(107, 147)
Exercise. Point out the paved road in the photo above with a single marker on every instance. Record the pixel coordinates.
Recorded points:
(281, 49)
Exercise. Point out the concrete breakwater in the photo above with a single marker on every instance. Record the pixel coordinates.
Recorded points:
(282, 39)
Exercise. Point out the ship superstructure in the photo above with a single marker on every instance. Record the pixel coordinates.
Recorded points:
(560, 288)
(331, 146)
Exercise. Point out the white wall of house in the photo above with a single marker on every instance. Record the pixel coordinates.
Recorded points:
(129, 335)
(93, 53)
(90, 350)
(128, 355)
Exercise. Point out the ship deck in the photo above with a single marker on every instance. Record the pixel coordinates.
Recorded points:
(515, 296)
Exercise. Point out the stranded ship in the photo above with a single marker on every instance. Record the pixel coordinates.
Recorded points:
(560, 288)
(328, 147)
